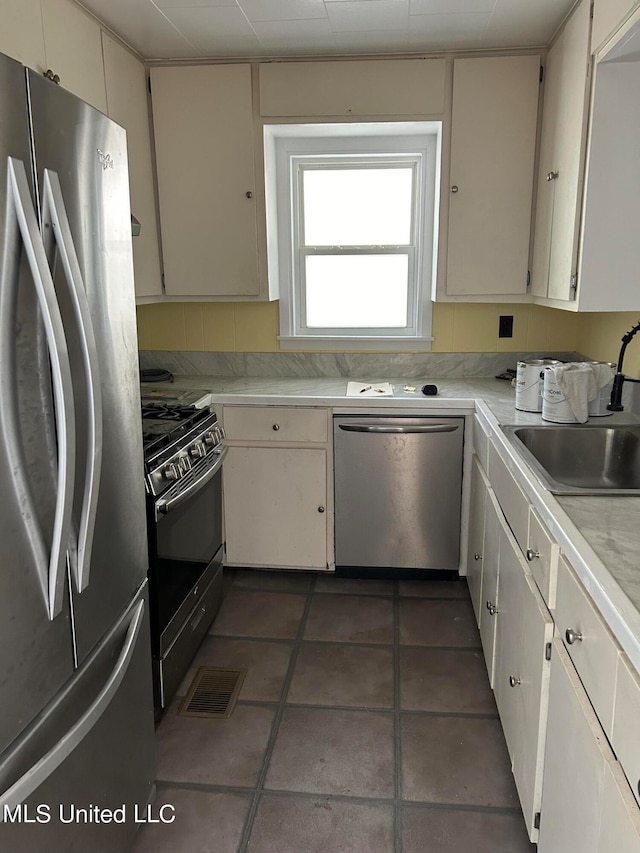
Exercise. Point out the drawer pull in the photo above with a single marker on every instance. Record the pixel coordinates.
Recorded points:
(572, 636)
(477, 556)
(320, 509)
(532, 555)
(491, 608)
(514, 681)
(275, 427)
(197, 619)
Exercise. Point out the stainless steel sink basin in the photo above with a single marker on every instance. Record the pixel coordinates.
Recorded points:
(582, 459)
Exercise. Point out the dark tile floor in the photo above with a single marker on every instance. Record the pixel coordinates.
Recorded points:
(365, 725)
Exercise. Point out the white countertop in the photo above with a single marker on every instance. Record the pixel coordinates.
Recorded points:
(600, 535)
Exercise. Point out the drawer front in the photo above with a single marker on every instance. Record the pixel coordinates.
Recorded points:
(512, 499)
(480, 443)
(276, 423)
(542, 555)
(590, 645)
(625, 738)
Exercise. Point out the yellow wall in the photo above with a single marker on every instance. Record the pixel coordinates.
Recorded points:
(599, 337)
(253, 327)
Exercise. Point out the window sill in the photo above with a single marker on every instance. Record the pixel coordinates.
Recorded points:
(354, 344)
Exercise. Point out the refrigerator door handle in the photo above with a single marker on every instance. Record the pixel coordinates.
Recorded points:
(54, 214)
(51, 567)
(42, 769)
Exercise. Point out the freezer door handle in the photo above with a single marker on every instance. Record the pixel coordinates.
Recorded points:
(405, 430)
(42, 769)
(57, 234)
(50, 563)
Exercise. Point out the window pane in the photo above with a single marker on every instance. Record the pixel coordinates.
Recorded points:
(357, 207)
(356, 291)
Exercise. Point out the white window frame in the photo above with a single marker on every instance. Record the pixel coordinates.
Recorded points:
(290, 148)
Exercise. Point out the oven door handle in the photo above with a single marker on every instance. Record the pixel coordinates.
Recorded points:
(164, 506)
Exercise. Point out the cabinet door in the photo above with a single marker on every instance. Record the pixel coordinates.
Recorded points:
(73, 50)
(562, 159)
(21, 34)
(619, 815)
(575, 762)
(203, 122)
(493, 138)
(521, 683)
(608, 16)
(274, 505)
(126, 83)
(490, 581)
(375, 88)
(476, 536)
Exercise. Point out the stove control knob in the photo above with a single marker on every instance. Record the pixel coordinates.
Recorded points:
(184, 461)
(211, 438)
(171, 471)
(198, 450)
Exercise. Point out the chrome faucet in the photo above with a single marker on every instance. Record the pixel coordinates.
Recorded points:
(615, 404)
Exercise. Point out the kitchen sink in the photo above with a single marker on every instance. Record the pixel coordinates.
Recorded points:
(584, 459)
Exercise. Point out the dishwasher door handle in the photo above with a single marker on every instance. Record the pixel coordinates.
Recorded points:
(385, 428)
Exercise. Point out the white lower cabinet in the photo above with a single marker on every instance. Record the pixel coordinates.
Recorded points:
(475, 556)
(619, 815)
(561, 698)
(587, 805)
(275, 507)
(524, 630)
(576, 758)
(490, 582)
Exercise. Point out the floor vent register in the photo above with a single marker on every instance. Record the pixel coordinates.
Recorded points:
(213, 693)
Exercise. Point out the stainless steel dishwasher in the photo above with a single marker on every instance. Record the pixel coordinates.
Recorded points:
(398, 486)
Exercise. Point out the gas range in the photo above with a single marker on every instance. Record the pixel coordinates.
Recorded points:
(177, 442)
(183, 459)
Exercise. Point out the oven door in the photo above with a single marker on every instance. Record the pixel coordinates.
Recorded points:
(185, 570)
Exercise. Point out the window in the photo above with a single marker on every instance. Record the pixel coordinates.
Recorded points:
(351, 231)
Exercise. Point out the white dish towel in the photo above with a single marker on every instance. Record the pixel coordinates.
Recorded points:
(580, 383)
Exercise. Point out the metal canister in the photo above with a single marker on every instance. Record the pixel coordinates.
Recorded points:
(529, 380)
(598, 407)
(555, 406)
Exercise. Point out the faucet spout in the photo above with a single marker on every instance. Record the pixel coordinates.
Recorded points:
(615, 404)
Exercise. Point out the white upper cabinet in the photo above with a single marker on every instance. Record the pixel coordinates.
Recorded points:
(566, 81)
(609, 258)
(399, 87)
(21, 35)
(493, 138)
(73, 50)
(608, 15)
(59, 35)
(126, 84)
(207, 186)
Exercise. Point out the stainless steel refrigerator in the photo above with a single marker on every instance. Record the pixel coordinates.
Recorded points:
(76, 710)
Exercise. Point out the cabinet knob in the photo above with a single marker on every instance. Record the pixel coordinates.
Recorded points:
(55, 78)
(514, 681)
(477, 556)
(454, 189)
(552, 176)
(320, 509)
(491, 608)
(275, 427)
(572, 636)
(532, 555)
(249, 194)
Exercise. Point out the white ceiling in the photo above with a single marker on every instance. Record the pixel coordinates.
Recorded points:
(190, 29)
